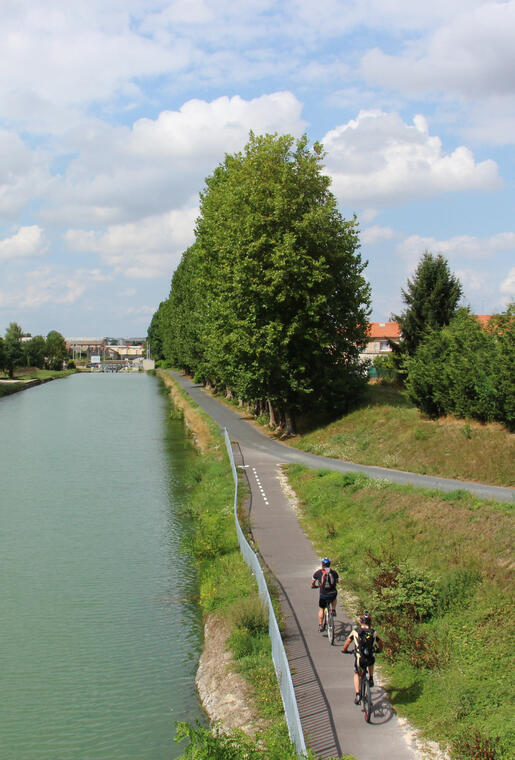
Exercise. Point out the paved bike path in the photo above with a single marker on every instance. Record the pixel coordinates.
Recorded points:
(322, 676)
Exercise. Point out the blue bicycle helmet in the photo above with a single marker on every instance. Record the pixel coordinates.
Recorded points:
(326, 562)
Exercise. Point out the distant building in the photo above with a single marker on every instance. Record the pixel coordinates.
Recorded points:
(87, 346)
(381, 333)
(379, 336)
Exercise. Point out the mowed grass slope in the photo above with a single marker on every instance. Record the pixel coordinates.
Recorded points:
(388, 430)
(449, 670)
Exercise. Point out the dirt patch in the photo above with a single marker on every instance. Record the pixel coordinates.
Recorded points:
(224, 693)
(193, 419)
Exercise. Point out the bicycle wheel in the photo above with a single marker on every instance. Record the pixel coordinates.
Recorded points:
(367, 699)
(330, 625)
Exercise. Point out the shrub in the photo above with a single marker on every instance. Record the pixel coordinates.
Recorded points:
(403, 591)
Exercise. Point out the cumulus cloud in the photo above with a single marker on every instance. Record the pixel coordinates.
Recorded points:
(379, 159)
(150, 248)
(46, 286)
(23, 174)
(121, 174)
(459, 246)
(447, 60)
(375, 234)
(25, 243)
(467, 61)
(508, 287)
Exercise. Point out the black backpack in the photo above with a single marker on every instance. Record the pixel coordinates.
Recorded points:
(366, 638)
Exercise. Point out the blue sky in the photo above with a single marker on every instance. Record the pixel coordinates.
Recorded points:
(113, 112)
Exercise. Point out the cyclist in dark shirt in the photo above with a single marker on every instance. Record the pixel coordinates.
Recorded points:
(326, 579)
(365, 624)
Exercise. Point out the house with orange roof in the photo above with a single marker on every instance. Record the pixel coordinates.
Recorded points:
(381, 333)
(379, 336)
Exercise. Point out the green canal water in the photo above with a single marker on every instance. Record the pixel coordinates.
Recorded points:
(99, 633)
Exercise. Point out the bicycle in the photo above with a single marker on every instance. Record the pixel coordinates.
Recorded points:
(328, 619)
(329, 622)
(365, 694)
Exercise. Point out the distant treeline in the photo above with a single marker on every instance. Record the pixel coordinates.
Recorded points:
(37, 351)
(270, 303)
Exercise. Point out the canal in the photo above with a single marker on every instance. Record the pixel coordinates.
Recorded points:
(100, 633)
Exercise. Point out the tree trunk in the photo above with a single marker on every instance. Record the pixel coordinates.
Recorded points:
(290, 427)
(272, 422)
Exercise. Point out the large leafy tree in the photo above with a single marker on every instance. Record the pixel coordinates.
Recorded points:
(431, 299)
(13, 349)
(56, 351)
(35, 351)
(285, 303)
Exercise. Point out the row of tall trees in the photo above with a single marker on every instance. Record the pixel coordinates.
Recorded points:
(49, 352)
(449, 362)
(270, 302)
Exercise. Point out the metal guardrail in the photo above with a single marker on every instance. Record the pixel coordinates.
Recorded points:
(282, 667)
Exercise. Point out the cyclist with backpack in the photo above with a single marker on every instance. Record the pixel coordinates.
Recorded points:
(325, 579)
(366, 642)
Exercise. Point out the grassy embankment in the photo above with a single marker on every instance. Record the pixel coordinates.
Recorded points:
(227, 588)
(23, 375)
(436, 571)
(389, 431)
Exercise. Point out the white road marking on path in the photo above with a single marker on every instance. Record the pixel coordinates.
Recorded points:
(261, 489)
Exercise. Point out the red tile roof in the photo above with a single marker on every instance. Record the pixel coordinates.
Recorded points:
(384, 330)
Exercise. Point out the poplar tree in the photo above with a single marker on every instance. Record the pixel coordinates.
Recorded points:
(286, 303)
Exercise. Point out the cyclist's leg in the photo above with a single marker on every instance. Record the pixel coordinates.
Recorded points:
(357, 684)
(371, 671)
(321, 606)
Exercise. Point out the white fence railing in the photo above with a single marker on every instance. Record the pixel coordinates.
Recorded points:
(282, 668)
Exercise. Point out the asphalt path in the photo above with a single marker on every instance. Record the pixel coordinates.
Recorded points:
(322, 676)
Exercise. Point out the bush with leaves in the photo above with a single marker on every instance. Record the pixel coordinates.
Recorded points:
(455, 370)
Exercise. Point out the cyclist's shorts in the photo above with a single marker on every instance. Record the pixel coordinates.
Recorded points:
(369, 662)
(325, 600)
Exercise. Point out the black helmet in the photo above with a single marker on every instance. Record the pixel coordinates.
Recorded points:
(326, 562)
(365, 618)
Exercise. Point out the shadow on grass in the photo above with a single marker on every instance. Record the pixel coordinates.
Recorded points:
(407, 695)
(376, 394)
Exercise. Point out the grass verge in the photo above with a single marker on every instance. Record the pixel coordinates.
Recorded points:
(23, 376)
(436, 570)
(387, 430)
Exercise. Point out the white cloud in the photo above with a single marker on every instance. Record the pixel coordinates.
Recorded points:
(46, 286)
(150, 248)
(459, 246)
(448, 59)
(122, 174)
(379, 159)
(376, 234)
(507, 287)
(23, 174)
(26, 242)
(467, 61)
